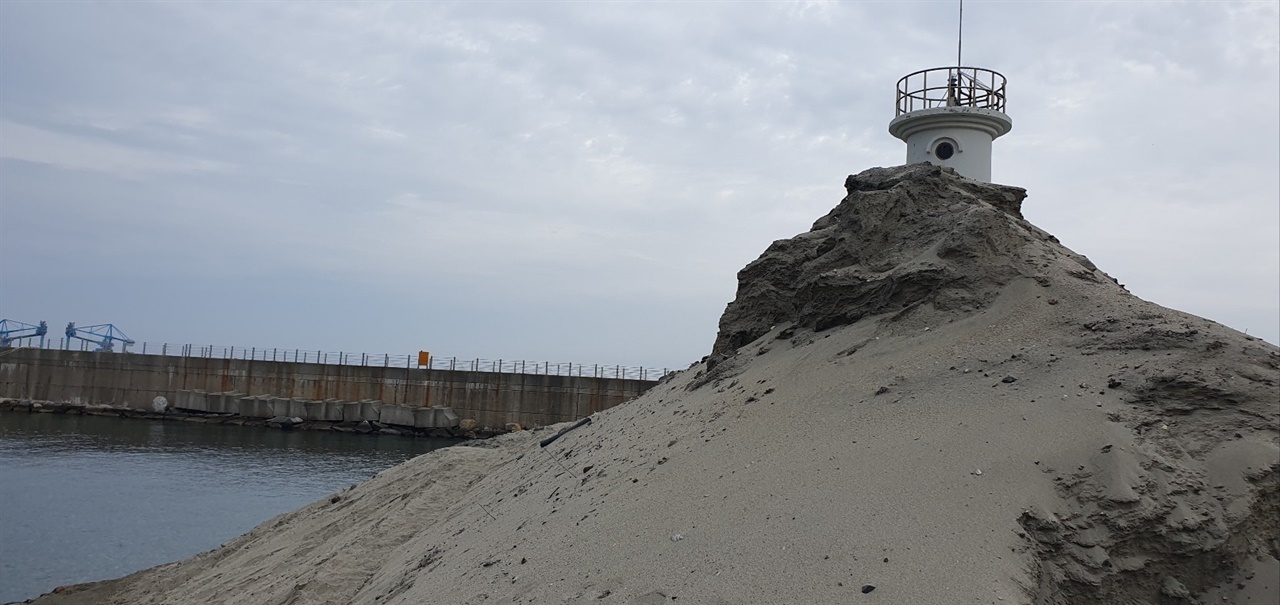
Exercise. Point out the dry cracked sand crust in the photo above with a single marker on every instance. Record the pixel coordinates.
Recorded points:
(924, 399)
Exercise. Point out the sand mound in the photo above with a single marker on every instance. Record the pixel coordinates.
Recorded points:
(925, 399)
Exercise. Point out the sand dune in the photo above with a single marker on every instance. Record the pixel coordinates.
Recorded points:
(925, 399)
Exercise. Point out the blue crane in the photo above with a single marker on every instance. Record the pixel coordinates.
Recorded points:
(103, 335)
(12, 331)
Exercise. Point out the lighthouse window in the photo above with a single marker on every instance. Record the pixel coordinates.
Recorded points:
(944, 150)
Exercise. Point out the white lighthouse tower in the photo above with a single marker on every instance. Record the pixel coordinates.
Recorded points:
(949, 116)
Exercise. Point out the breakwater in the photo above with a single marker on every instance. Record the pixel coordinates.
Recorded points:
(133, 380)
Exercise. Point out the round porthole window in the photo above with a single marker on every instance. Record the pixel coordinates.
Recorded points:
(944, 150)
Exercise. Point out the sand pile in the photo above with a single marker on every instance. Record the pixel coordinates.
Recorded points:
(925, 399)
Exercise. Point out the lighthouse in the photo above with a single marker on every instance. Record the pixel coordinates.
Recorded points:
(949, 116)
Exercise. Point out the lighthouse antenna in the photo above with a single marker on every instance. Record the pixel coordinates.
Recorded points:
(960, 35)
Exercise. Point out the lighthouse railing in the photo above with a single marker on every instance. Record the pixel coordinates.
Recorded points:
(951, 87)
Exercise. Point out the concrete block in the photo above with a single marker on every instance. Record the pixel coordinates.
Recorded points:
(267, 405)
(329, 410)
(280, 406)
(312, 410)
(293, 408)
(351, 411)
(333, 410)
(371, 410)
(196, 401)
(396, 414)
(255, 407)
(226, 402)
(435, 417)
(213, 403)
(425, 418)
(231, 401)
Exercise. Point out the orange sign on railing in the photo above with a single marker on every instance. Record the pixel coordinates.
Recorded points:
(424, 359)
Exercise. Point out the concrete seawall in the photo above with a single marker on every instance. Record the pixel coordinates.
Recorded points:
(134, 380)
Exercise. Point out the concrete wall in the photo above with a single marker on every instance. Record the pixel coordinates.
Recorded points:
(131, 379)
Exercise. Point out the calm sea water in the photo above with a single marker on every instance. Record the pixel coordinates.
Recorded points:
(85, 498)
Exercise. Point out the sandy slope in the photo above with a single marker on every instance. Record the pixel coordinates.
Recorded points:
(854, 429)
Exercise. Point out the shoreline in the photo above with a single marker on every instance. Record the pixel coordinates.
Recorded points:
(28, 406)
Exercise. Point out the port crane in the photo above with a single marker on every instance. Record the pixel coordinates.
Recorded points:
(12, 331)
(103, 335)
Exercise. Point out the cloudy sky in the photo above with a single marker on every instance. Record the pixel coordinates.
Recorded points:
(580, 181)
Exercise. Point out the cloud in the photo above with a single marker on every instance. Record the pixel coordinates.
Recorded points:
(30, 144)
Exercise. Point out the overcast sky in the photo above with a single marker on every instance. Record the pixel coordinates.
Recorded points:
(581, 181)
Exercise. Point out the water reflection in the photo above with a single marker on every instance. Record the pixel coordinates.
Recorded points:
(85, 498)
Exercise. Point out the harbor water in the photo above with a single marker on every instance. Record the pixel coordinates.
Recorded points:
(86, 498)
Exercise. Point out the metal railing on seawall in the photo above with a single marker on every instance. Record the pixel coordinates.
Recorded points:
(346, 358)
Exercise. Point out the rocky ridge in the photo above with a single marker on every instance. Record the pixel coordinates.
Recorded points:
(903, 239)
